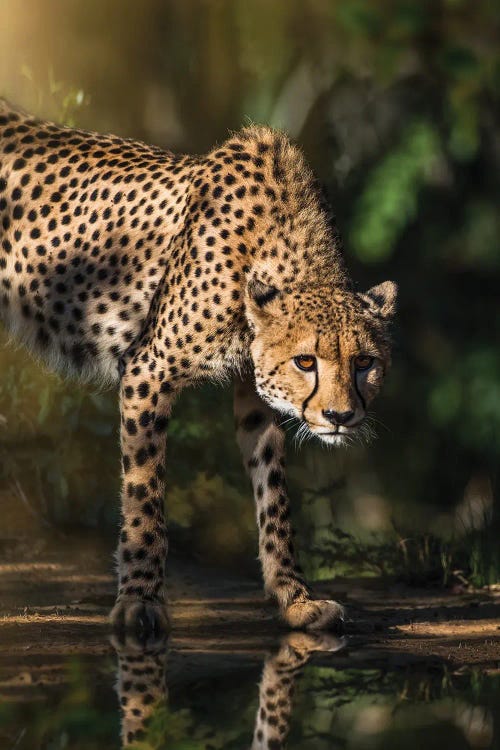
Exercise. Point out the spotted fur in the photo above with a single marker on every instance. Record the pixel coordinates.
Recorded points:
(282, 668)
(141, 685)
(143, 691)
(123, 262)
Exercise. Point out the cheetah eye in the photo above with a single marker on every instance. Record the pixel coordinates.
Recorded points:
(363, 362)
(305, 362)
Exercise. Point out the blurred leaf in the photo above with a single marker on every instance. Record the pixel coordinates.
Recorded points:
(460, 61)
(359, 17)
(27, 72)
(389, 200)
(44, 401)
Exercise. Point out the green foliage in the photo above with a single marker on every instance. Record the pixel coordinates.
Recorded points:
(421, 559)
(65, 102)
(465, 399)
(389, 200)
(474, 244)
(220, 517)
(396, 105)
(77, 719)
(52, 434)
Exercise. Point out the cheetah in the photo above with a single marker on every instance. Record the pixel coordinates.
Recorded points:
(128, 264)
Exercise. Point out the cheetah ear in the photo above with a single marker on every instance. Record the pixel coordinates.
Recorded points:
(261, 294)
(381, 299)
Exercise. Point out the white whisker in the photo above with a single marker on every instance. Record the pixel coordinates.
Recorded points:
(372, 419)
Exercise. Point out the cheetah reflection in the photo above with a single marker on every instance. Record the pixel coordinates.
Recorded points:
(141, 685)
(142, 688)
(277, 685)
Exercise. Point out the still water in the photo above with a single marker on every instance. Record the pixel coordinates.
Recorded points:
(303, 692)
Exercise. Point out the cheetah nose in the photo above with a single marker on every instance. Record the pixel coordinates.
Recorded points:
(338, 417)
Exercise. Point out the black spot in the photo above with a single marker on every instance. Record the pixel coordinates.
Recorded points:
(141, 491)
(141, 457)
(143, 390)
(160, 424)
(275, 478)
(131, 426)
(252, 420)
(272, 510)
(267, 454)
(148, 509)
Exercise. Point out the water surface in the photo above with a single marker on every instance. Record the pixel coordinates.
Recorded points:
(301, 692)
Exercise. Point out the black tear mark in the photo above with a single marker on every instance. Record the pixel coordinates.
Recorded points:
(363, 403)
(316, 384)
(311, 395)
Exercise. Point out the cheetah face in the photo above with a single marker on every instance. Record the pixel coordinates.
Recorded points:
(321, 355)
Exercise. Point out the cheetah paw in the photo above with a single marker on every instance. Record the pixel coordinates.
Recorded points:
(315, 614)
(146, 620)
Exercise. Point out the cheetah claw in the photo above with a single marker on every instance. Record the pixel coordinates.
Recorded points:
(315, 614)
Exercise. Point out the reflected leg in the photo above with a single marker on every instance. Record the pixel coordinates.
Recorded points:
(277, 685)
(141, 685)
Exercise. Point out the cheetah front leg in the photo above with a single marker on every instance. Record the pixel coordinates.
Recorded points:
(145, 407)
(262, 443)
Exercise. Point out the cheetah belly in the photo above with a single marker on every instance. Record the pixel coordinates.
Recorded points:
(68, 316)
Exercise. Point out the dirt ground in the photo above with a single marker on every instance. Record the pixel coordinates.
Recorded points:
(54, 604)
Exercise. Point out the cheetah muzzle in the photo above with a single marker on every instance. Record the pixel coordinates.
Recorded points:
(126, 263)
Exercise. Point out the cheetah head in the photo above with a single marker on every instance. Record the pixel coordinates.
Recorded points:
(320, 354)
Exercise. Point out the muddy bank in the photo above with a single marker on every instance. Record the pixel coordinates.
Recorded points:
(55, 602)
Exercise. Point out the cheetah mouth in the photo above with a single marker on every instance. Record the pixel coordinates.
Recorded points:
(339, 430)
(341, 435)
(333, 438)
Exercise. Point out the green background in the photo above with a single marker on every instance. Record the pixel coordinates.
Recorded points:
(396, 105)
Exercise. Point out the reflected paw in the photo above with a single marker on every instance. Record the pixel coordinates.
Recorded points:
(315, 614)
(316, 640)
(129, 644)
(145, 620)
